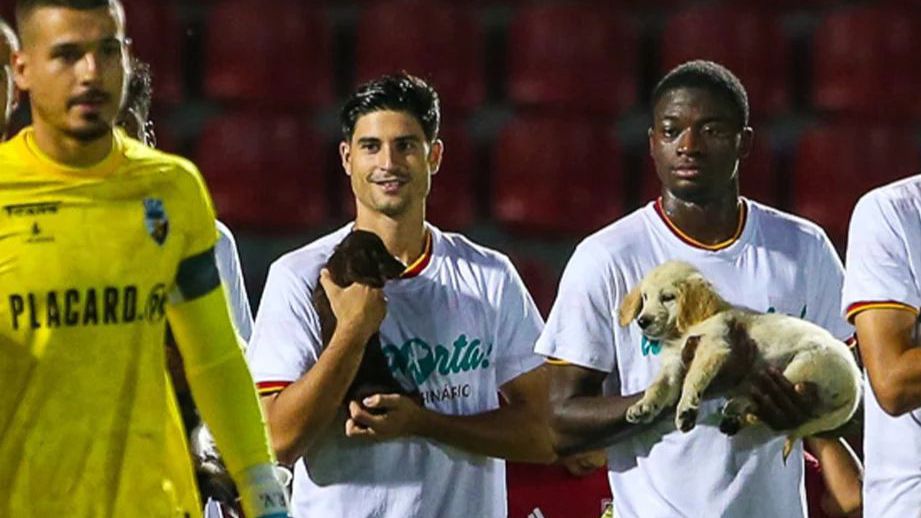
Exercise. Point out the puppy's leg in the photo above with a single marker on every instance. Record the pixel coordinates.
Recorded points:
(734, 412)
(663, 392)
(711, 354)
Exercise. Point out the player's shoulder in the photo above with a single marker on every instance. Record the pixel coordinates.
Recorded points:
(898, 197)
(623, 238)
(777, 224)
(140, 157)
(306, 262)
(14, 153)
(457, 247)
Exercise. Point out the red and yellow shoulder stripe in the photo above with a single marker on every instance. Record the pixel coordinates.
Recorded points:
(267, 388)
(857, 307)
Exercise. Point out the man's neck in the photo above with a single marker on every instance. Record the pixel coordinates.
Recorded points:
(709, 221)
(70, 151)
(403, 236)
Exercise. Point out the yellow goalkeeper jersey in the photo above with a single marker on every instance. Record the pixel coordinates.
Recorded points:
(88, 261)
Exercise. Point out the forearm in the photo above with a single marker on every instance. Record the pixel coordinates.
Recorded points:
(898, 386)
(517, 433)
(299, 413)
(842, 473)
(887, 342)
(220, 381)
(582, 423)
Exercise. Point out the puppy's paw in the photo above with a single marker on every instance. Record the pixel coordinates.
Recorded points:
(686, 419)
(642, 412)
(730, 425)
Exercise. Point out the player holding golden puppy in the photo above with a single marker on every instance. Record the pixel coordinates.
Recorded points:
(753, 254)
(676, 305)
(101, 239)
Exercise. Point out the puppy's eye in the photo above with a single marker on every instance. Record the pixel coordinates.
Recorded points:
(667, 297)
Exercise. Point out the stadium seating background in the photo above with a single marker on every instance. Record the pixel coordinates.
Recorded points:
(545, 107)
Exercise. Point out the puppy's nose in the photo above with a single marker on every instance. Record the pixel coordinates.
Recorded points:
(644, 321)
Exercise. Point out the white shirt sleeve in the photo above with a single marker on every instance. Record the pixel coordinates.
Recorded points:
(517, 327)
(286, 339)
(580, 328)
(228, 266)
(878, 266)
(823, 301)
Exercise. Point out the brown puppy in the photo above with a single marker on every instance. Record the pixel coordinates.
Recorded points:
(361, 257)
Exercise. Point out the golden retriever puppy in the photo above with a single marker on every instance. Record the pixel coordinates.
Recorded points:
(674, 303)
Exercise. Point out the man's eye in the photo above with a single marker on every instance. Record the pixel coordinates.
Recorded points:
(111, 49)
(69, 56)
(667, 297)
(670, 132)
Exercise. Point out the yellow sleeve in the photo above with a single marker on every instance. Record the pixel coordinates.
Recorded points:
(220, 381)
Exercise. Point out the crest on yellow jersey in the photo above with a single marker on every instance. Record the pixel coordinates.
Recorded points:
(155, 219)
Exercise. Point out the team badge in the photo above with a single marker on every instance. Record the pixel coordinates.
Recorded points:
(155, 219)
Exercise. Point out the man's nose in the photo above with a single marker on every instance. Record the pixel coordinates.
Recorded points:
(644, 321)
(89, 67)
(688, 142)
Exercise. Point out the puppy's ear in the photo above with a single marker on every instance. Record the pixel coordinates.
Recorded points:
(697, 301)
(630, 307)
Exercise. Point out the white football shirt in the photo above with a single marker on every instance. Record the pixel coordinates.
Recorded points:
(458, 330)
(228, 266)
(884, 270)
(777, 263)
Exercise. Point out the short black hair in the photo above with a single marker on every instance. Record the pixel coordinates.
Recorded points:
(25, 7)
(402, 92)
(710, 76)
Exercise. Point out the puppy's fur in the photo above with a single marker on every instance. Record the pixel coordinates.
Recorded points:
(674, 302)
(361, 257)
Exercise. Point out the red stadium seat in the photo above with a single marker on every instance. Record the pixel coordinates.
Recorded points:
(278, 55)
(265, 171)
(158, 38)
(452, 203)
(865, 62)
(557, 175)
(758, 177)
(836, 164)
(574, 57)
(438, 41)
(748, 41)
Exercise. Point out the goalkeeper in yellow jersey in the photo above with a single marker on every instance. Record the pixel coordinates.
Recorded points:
(101, 240)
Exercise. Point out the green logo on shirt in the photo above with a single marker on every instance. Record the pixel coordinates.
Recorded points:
(417, 360)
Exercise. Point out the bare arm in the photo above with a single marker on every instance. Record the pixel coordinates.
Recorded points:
(887, 345)
(298, 414)
(580, 417)
(842, 473)
(517, 431)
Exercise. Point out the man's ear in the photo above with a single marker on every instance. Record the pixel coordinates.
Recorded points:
(697, 301)
(20, 66)
(746, 142)
(345, 153)
(436, 153)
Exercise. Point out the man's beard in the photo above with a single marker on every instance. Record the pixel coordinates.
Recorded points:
(89, 133)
